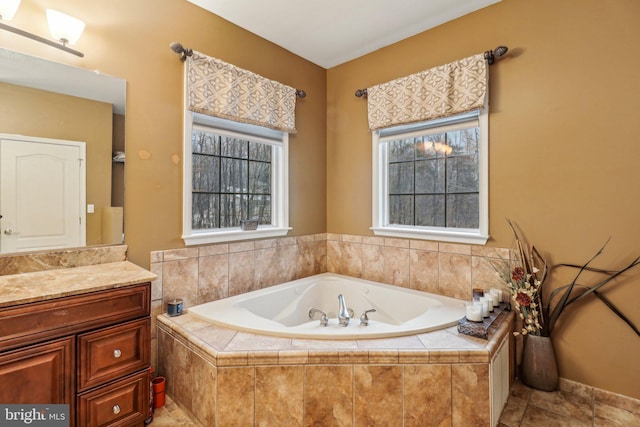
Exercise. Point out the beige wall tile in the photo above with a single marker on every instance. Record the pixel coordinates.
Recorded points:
(427, 395)
(204, 391)
(424, 271)
(279, 395)
(455, 276)
(352, 239)
(454, 248)
(156, 285)
(470, 391)
(180, 376)
(377, 395)
(267, 263)
(180, 280)
(373, 262)
(235, 396)
(396, 266)
(265, 244)
(176, 254)
(396, 242)
(156, 308)
(164, 357)
(424, 245)
(241, 273)
(242, 246)
(213, 278)
(344, 258)
(483, 275)
(373, 240)
(156, 256)
(312, 258)
(328, 396)
(212, 250)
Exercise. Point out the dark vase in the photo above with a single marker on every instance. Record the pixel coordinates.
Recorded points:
(539, 366)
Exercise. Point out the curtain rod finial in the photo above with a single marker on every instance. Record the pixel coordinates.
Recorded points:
(361, 92)
(181, 50)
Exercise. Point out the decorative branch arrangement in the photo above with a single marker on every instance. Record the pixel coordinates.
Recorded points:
(526, 279)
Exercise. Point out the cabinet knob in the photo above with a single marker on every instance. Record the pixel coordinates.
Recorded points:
(117, 353)
(116, 409)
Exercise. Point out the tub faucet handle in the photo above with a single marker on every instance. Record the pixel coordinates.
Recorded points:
(324, 320)
(364, 319)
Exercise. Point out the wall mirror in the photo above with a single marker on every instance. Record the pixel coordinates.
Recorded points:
(47, 106)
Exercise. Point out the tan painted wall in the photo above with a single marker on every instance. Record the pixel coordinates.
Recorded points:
(564, 151)
(32, 112)
(130, 40)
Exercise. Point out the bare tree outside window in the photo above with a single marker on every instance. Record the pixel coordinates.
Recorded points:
(433, 179)
(231, 181)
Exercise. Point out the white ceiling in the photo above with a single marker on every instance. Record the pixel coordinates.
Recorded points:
(331, 32)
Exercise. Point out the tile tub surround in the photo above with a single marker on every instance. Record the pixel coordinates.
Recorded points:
(225, 377)
(207, 273)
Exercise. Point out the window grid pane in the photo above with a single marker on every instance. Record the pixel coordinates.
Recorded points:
(231, 181)
(433, 180)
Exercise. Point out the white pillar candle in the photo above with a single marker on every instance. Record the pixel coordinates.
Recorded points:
(500, 294)
(489, 299)
(474, 312)
(495, 297)
(485, 306)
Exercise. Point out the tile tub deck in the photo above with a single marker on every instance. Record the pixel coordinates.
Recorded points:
(226, 377)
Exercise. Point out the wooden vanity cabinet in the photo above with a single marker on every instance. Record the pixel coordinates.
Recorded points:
(90, 351)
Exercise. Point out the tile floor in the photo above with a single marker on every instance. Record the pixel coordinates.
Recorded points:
(525, 408)
(570, 406)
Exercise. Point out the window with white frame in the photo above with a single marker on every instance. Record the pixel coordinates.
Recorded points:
(232, 172)
(430, 179)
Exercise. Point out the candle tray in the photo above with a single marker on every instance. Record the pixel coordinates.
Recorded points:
(481, 329)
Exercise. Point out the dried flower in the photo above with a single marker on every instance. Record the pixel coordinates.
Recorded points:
(523, 299)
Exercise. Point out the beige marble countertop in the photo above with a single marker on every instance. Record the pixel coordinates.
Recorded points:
(37, 286)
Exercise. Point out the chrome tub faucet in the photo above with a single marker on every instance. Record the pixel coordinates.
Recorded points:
(343, 311)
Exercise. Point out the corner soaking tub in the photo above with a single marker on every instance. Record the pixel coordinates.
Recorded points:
(283, 310)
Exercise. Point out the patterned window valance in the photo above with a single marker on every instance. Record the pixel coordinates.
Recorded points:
(219, 89)
(442, 91)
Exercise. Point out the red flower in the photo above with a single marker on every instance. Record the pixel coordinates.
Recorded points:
(517, 274)
(523, 299)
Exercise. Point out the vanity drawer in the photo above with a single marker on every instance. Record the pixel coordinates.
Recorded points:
(35, 322)
(123, 403)
(110, 353)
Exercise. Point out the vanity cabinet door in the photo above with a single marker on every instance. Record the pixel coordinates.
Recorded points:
(39, 374)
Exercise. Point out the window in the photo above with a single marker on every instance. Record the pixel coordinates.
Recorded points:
(430, 180)
(233, 171)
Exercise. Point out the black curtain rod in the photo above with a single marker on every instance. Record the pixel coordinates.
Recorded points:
(184, 52)
(490, 56)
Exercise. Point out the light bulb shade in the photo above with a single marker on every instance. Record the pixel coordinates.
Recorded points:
(63, 27)
(8, 9)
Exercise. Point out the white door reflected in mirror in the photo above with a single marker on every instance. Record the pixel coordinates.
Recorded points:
(42, 193)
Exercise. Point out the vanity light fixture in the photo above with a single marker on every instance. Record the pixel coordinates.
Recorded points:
(64, 28)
